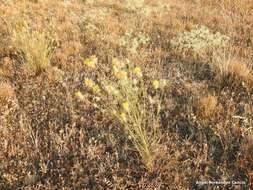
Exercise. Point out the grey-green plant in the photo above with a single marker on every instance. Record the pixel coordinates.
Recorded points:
(133, 4)
(132, 42)
(199, 38)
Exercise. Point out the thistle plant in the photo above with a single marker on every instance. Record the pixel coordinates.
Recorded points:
(126, 95)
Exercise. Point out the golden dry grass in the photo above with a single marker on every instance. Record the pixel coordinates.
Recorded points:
(208, 106)
(6, 91)
(53, 132)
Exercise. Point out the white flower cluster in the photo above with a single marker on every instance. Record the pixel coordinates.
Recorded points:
(199, 38)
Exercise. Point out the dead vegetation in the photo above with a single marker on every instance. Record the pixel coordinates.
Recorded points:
(126, 94)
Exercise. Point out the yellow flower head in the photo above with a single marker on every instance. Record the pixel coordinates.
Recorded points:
(117, 64)
(96, 89)
(89, 83)
(111, 90)
(115, 69)
(79, 95)
(125, 106)
(123, 117)
(155, 84)
(91, 62)
(137, 72)
(121, 75)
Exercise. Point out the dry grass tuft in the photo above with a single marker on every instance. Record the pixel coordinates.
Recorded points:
(35, 45)
(124, 129)
(208, 106)
(6, 67)
(226, 66)
(6, 91)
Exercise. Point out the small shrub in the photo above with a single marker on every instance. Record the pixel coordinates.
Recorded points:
(198, 39)
(123, 95)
